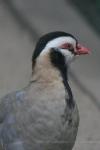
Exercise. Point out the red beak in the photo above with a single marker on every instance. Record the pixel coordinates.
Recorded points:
(81, 50)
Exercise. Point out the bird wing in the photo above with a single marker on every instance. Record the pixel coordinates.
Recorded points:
(28, 122)
(9, 136)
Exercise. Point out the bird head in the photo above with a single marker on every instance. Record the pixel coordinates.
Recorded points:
(59, 42)
(63, 42)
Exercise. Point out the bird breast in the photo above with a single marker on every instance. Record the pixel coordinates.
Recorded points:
(40, 118)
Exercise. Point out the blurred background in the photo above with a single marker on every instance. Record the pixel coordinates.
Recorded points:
(22, 22)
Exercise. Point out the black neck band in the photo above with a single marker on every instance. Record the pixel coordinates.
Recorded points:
(58, 60)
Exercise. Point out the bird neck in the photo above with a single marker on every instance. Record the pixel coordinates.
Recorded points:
(44, 72)
(58, 60)
(51, 69)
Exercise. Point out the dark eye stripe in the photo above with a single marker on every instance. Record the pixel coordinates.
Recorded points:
(66, 46)
(71, 50)
(69, 47)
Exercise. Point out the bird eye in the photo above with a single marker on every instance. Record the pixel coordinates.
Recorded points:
(67, 46)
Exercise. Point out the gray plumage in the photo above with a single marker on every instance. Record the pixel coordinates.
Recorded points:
(37, 123)
(38, 117)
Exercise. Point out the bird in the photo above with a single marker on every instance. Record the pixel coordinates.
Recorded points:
(44, 114)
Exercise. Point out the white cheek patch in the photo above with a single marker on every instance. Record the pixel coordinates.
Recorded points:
(44, 51)
(56, 43)
(68, 55)
(59, 41)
